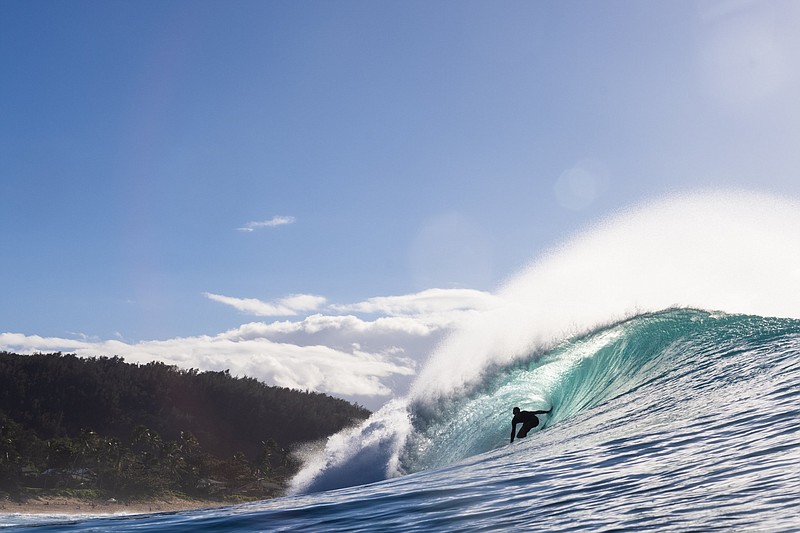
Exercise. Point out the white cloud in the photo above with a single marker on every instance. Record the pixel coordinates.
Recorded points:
(288, 306)
(317, 368)
(426, 302)
(359, 359)
(413, 338)
(273, 222)
(348, 324)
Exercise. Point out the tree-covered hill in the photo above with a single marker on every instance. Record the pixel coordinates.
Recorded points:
(145, 428)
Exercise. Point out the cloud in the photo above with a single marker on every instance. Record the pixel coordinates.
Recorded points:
(318, 368)
(273, 222)
(288, 306)
(367, 359)
(430, 301)
(413, 338)
(433, 307)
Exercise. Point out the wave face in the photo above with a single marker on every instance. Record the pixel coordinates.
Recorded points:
(667, 341)
(658, 361)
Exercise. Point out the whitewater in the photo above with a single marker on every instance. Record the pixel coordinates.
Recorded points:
(666, 338)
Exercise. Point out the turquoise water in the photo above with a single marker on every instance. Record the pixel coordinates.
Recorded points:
(675, 420)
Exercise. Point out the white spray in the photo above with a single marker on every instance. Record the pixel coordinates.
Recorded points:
(737, 252)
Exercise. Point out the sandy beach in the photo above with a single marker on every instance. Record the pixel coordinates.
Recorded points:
(60, 505)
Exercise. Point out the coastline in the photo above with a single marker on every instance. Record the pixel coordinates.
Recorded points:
(38, 505)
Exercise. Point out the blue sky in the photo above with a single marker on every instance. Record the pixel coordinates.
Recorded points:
(176, 171)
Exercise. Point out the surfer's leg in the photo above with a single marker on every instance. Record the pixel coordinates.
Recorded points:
(527, 426)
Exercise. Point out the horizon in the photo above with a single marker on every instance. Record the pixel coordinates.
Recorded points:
(318, 194)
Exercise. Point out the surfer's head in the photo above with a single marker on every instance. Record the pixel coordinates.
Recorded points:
(515, 410)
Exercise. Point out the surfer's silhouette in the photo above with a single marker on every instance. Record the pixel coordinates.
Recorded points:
(528, 419)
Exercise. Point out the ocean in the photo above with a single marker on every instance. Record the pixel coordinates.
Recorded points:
(682, 417)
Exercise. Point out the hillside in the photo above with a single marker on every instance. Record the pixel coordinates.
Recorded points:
(105, 425)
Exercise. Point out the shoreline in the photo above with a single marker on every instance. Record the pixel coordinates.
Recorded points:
(58, 505)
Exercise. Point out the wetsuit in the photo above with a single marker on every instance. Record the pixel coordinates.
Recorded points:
(528, 419)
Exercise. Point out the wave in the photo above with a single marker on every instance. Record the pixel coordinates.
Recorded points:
(666, 421)
(589, 321)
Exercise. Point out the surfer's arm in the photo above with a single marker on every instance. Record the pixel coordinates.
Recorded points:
(542, 412)
(513, 430)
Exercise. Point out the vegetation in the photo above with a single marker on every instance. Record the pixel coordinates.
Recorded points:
(123, 430)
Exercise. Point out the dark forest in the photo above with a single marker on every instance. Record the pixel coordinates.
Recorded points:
(115, 429)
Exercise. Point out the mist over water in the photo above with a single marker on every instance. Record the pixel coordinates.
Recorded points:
(734, 252)
(737, 252)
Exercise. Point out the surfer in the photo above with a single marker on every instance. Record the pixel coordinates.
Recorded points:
(528, 419)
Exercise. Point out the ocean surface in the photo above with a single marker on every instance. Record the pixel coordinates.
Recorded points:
(682, 417)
